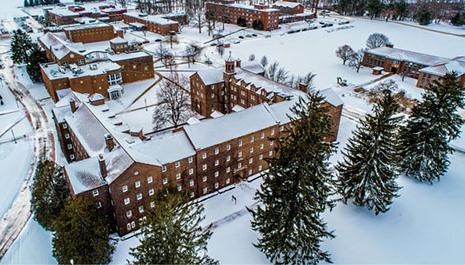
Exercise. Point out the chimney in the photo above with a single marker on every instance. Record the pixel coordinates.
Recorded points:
(102, 165)
(110, 143)
(389, 45)
(72, 105)
(303, 87)
(229, 65)
(238, 63)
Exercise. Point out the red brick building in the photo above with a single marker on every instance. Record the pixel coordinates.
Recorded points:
(423, 67)
(154, 23)
(92, 32)
(104, 77)
(124, 169)
(261, 17)
(68, 15)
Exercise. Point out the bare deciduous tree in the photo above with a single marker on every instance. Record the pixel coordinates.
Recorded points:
(344, 52)
(173, 106)
(377, 40)
(356, 59)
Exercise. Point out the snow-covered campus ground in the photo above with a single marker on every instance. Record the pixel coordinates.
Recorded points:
(425, 224)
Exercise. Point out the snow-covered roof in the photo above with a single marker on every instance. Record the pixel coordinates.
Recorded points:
(127, 56)
(63, 12)
(255, 68)
(263, 83)
(55, 71)
(87, 26)
(286, 4)
(211, 76)
(251, 7)
(211, 132)
(409, 56)
(118, 40)
(85, 175)
(162, 149)
(456, 65)
(331, 97)
(156, 19)
(88, 130)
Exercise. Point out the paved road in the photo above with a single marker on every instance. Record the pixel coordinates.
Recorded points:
(15, 219)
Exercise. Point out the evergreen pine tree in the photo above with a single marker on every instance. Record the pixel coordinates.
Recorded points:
(49, 193)
(81, 234)
(370, 167)
(36, 56)
(20, 44)
(172, 234)
(296, 188)
(433, 123)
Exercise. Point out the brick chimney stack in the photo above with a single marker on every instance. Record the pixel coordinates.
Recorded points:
(103, 166)
(109, 141)
(72, 105)
(303, 87)
(230, 65)
(238, 63)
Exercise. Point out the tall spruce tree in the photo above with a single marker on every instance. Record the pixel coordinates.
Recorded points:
(434, 122)
(172, 234)
(20, 44)
(81, 234)
(296, 188)
(35, 57)
(49, 193)
(369, 170)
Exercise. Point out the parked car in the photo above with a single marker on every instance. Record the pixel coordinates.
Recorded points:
(241, 37)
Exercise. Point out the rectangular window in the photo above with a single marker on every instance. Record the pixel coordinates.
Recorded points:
(127, 201)
(240, 142)
(163, 169)
(262, 146)
(150, 179)
(204, 167)
(141, 209)
(95, 193)
(191, 171)
(152, 204)
(228, 158)
(165, 181)
(228, 169)
(252, 138)
(250, 160)
(204, 179)
(137, 184)
(177, 164)
(217, 162)
(205, 190)
(217, 150)
(228, 181)
(251, 150)
(228, 147)
(179, 187)
(129, 214)
(271, 153)
(139, 196)
(191, 159)
(99, 205)
(191, 183)
(204, 155)
(124, 188)
(239, 154)
(151, 192)
(217, 185)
